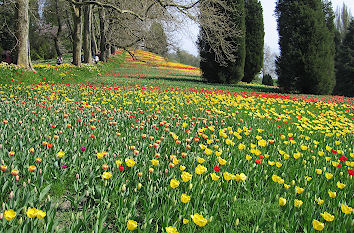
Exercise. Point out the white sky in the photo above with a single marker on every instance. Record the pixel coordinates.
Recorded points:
(189, 35)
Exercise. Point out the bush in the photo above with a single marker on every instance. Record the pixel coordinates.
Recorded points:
(267, 80)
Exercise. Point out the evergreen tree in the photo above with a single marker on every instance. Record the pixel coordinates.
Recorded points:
(231, 71)
(306, 62)
(254, 39)
(345, 65)
(156, 40)
(267, 80)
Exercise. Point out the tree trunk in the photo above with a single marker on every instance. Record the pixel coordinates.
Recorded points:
(93, 35)
(56, 37)
(103, 46)
(87, 34)
(77, 35)
(23, 46)
(70, 28)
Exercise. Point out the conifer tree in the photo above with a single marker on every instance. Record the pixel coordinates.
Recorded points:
(231, 71)
(345, 65)
(306, 62)
(254, 39)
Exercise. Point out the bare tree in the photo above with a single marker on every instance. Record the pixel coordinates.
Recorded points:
(127, 22)
(269, 62)
(342, 20)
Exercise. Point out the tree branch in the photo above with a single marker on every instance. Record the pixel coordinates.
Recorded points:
(107, 5)
(184, 7)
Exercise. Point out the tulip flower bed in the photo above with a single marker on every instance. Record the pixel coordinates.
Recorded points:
(145, 158)
(144, 64)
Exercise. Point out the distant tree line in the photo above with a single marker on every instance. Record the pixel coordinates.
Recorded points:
(43, 29)
(316, 47)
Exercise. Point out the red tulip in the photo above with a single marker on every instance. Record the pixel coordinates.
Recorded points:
(343, 158)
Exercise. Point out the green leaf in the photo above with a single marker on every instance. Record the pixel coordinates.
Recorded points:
(44, 192)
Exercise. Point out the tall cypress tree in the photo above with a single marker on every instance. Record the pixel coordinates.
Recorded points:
(345, 65)
(306, 62)
(231, 71)
(238, 16)
(254, 39)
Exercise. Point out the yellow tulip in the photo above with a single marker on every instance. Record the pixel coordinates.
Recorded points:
(241, 177)
(271, 163)
(248, 157)
(282, 201)
(175, 161)
(182, 168)
(332, 194)
(119, 162)
(222, 161)
(9, 214)
(320, 201)
(262, 143)
(186, 176)
(132, 225)
(335, 164)
(327, 216)
(200, 169)
(171, 230)
(185, 198)
(60, 154)
(155, 162)
(298, 190)
(297, 155)
(200, 160)
(100, 155)
(32, 213)
(241, 146)
(130, 162)
(199, 220)
(318, 171)
(227, 176)
(318, 226)
(328, 175)
(208, 151)
(340, 185)
(214, 176)
(346, 209)
(106, 175)
(297, 203)
(41, 214)
(174, 183)
(185, 221)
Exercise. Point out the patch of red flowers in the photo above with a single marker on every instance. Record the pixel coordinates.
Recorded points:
(343, 158)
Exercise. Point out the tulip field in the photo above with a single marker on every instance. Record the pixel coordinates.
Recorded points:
(115, 156)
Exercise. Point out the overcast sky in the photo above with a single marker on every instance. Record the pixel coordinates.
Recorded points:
(190, 33)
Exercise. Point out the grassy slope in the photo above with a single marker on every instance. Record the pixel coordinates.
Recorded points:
(120, 69)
